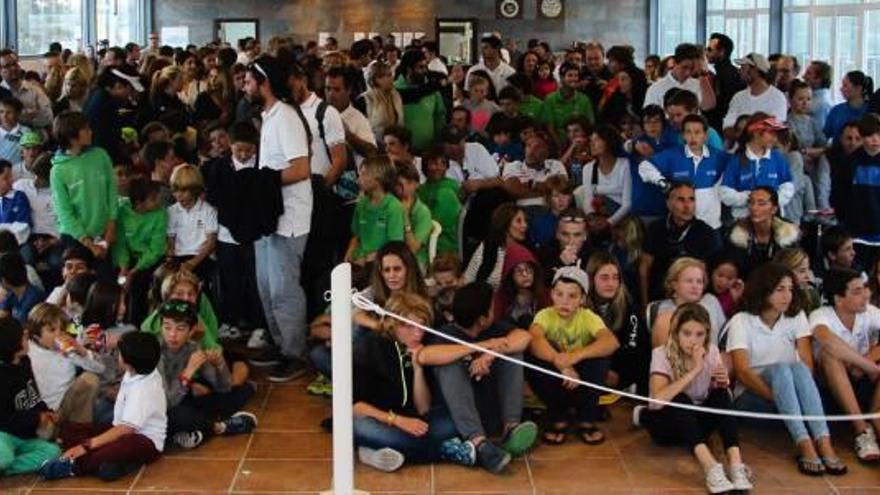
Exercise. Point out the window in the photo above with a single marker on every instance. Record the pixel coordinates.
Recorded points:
(677, 23)
(40, 22)
(118, 21)
(747, 22)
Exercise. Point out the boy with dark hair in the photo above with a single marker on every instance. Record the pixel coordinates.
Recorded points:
(139, 421)
(11, 131)
(23, 414)
(15, 210)
(160, 159)
(679, 104)
(83, 188)
(860, 212)
(838, 249)
(75, 260)
(200, 396)
(21, 296)
(464, 376)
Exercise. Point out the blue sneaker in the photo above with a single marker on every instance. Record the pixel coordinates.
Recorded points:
(56, 469)
(240, 422)
(492, 458)
(454, 450)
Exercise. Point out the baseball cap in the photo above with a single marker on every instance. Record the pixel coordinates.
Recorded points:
(574, 274)
(768, 124)
(133, 80)
(756, 60)
(30, 139)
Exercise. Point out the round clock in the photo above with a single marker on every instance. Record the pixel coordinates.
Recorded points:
(509, 8)
(551, 8)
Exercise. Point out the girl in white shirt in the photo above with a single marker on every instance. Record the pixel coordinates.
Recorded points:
(607, 179)
(686, 282)
(770, 344)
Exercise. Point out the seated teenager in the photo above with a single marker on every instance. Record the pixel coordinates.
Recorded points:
(572, 340)
(508, 226)
(394, 421)
(522, 292)
(570, 247)
(689, 370)
(758, 236)
(185, 285)
(686, 282)
(198, 385)
(75, 260)
(847, 353)
(769, 341)
(558, 201)
(466, 377)
(23, 414)
(21, 295)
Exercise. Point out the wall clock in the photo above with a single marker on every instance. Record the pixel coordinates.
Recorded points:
(508, 9)
(551, 9)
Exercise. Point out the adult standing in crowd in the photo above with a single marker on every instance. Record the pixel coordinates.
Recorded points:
(728, 81)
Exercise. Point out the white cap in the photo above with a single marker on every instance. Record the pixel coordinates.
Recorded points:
(133, 80)
(575, 274)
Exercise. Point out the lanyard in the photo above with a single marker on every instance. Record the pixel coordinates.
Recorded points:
(402, 375)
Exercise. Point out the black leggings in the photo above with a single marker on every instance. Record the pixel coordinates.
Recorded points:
(674, 426)
(584, 401)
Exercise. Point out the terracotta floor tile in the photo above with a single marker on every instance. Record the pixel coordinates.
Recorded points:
(86, 483)
(781, 472)
(409, 479)
(172, 474)
(219, 447)
(283, 445)
(294, 417)
(75, 491)
(256, 476)
(668, 470)
(860, 475)
(859, 491)
(450, 478)
(17, 484)
(572, 448)
(574, 476)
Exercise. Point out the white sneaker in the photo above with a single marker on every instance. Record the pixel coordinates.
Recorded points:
(258, 339)
(637, 415)
(866, 446)
(716, 480)
(740, 476)
(387, 459)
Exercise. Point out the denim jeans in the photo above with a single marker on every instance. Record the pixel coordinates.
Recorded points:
(504, 384)
(320, 355)
(374, 434)
(279, 262)
(794, 392)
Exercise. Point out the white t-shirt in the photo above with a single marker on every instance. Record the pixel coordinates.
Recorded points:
(865, 332)
(478, 164)
(190, 228)
(43, 216)
(499, 75)
(766, 346)
(617, 186)
(772, 102)
(141, 405)
(657, 91)
(334, 132)
(282, 139)
(357, 124)
(528, 174)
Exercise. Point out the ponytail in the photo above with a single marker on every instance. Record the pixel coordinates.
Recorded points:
(859, 78)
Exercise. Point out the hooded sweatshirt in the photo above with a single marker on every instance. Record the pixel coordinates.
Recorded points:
(84, 192)
(516, 255)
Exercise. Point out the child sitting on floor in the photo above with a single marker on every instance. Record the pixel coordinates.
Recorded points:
(201, 398)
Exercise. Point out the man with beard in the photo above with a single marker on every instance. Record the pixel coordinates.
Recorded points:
(423, 109)
(727, 79)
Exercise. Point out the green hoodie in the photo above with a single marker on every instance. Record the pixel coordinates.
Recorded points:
(141, 235)
(423, 118)
(84, 192)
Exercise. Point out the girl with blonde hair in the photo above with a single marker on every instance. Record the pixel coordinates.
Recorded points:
(686, 282)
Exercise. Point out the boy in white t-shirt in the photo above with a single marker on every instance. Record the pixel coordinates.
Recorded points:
(139, 421)
(847, 352)
(192, 223)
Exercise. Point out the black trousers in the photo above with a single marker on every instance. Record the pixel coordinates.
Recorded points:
(239, 299)
(674, 426)
(200, 413)
(559, 400)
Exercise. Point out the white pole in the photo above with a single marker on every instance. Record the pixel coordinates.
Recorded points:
(343, 432)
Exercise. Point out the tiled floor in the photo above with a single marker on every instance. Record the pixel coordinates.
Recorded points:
(289, 454)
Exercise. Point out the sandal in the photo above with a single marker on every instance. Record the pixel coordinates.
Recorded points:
(587, 433)
(554, 433)
(810, 467)
(834, 466)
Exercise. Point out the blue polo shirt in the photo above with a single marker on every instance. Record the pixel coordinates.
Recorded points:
(770, 170)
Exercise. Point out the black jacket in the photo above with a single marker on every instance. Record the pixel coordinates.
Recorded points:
(20, 401)
(383, 375)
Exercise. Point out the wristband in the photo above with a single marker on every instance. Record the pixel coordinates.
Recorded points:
(391, 417)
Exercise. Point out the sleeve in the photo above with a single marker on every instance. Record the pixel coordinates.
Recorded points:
(439, 113)
(819, 317)
(660, 363)
(220, 380)
(396, 221)
(729, 190)
(112, 187)
(89, 362)
(594, 323)
(802, 326)
(470, 273)
(208, 318)
(625, 197)
(587, 109)
(733, 111)
(484, 164)
(655, 169)
(651, 96)
(134, 414)
(819, 137)
(67, 219)
(828, 130)
(715, 140)
(155, 249)
(119, 249)
(588, 187)
(422, 224)
(511, 170)
(171, 222)
(334, 130)
(293, 137)
(211, 224)
(366, 383)
(737, 334)
(785, 191)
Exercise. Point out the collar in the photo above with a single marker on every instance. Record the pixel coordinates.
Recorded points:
(671, 226)
(674, 81)
(690, 154)
(752, 156)
(272, 111)
(10, 194)
(311, 100)
(14, 130)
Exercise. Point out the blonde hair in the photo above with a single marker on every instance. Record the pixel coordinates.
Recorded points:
(43, 315)
(177, 278)
(162, 79)
(410, 306)
(72, 75)
(630, 234)
(81, 62)
(675, 269)
(791, 257)
(685, 313)
(187, 177)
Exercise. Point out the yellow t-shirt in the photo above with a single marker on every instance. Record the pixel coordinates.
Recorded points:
(567, 335)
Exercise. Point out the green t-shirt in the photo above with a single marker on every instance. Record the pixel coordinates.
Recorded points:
(376, 224)
(558, 110)
(442, 199)
(421, 223)
(142, 235)
(533, 107)
(574, 333)
(424, 118)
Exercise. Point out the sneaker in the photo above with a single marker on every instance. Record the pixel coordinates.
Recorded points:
(866, 446)
(257, 339)
(188, 439)
(520, 438)
(741, 477)
(637, 415)
(286, 371)
(240, 422)
(716, 480)
(265, 359)
(492, 458)
(320, 386)
(112, 471)
(56, 469)
(454, 450)
(387, 459)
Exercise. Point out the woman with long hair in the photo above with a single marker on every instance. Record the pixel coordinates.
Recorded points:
(216, 103)
(607, 180)
(759, 236)
(164, 89)
(508, 225)
(74, 91)
(382, 103)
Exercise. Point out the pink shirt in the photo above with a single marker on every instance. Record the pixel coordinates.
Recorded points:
(698, 389)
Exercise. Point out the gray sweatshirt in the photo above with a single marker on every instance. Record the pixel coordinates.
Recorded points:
(172, 364)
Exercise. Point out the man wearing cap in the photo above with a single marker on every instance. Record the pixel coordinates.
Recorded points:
(759, 96)
(105, 107)
(37, 111)
(31, 144)
(681, 76)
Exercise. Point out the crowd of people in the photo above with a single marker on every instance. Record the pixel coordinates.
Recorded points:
(701, 230)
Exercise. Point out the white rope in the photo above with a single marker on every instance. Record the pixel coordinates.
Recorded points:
(363, 303)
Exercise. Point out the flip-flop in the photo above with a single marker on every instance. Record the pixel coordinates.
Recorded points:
(810, 467)
(558, 431)
(584, 431)
(834, 466)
